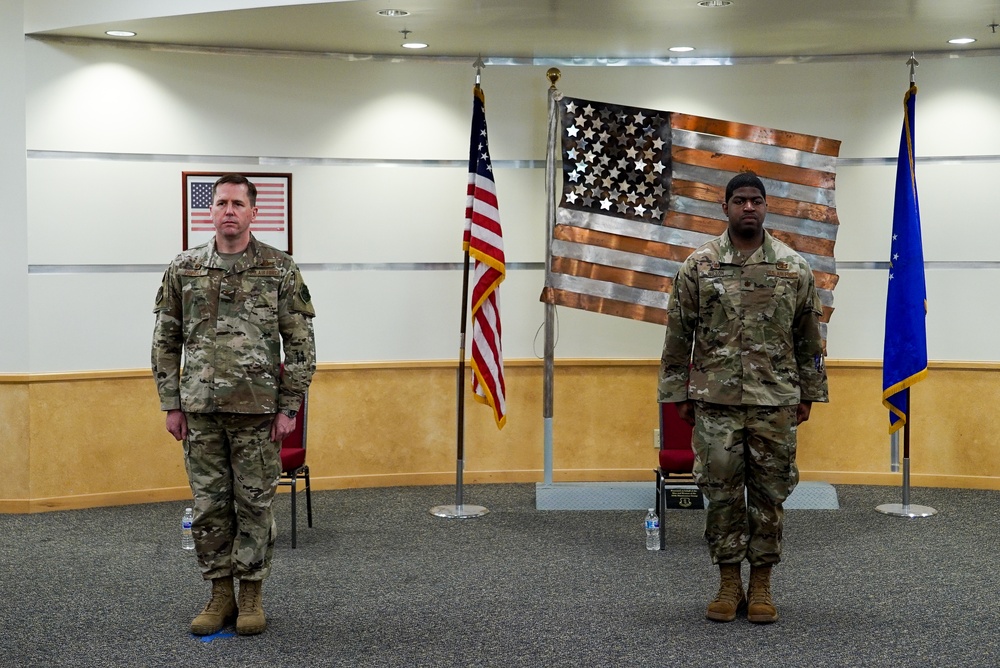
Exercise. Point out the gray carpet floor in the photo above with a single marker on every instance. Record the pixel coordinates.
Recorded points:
(379, 581)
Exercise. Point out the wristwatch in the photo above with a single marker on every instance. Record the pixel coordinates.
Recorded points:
(289, 413)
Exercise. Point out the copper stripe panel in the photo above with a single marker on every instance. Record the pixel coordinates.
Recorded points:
(640, 255)
(632, 228)
(755, 133)
(572, 262)
(702, 224)
(825, 281)
(805, 226)
(612, 258)
(783, 189)
(621, 293)
(745, 149)
(600, 272)
(622, 243)
(775, 203)
(628, 310)
(805, 244)
(763, 168)
(604, 306)
(660, 259)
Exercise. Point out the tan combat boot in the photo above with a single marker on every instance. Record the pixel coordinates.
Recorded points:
(251, 620)
(220, 608)
(761, 608)
(730, 598)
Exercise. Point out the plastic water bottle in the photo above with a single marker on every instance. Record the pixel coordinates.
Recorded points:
(187, 540)
(652, 530)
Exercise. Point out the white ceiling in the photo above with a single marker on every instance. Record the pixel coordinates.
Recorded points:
(564, 30)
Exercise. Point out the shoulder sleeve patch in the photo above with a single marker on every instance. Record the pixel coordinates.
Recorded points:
(302, 300)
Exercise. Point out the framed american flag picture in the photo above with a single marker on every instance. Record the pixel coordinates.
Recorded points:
(273, 224)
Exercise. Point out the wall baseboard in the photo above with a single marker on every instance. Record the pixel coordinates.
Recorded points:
(81, 501)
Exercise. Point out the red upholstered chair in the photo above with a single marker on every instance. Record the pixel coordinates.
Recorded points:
(676, 458)
(293, 462)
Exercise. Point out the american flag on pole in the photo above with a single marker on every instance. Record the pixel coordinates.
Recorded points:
(643, 188)
(483, 239)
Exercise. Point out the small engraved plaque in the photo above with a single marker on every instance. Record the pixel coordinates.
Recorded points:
(684, 498)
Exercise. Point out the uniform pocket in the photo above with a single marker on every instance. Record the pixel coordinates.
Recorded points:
(195, 288)
(717, 307)
(261, 304)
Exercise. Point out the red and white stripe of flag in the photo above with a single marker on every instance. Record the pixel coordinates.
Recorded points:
(483, 239)
(272, 210)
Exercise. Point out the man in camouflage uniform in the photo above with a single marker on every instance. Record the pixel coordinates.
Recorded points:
(229, 307)
(743, 361)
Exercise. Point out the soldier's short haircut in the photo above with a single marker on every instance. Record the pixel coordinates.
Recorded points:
(240, 180)
(745, 180)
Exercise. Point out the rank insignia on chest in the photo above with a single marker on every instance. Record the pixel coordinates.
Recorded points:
(782, 266)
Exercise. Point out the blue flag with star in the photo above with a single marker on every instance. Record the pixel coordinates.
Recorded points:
(905, 357)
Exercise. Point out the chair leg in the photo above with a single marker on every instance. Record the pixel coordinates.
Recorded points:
(661, 507)
(294, 478)
(309, 505)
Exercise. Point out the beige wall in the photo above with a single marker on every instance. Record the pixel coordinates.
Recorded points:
(82, 440)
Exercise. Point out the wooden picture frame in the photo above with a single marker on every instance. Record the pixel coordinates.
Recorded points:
(273, 224)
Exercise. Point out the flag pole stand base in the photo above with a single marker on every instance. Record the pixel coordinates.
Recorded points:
(900, 510)
(462, 512)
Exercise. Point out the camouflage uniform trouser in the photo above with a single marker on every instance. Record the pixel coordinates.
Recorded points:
(233, 467)
(751, 448)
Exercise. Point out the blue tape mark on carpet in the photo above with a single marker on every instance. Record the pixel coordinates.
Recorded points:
(214, 636)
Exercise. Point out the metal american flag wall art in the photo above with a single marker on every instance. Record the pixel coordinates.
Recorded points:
(643, 188)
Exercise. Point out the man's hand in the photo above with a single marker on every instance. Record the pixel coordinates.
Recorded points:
(685, 410)
(177, 424)
(802, 412)
(281, 427)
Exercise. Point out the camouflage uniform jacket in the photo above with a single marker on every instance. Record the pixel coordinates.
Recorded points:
(230, 326)
(743, 334)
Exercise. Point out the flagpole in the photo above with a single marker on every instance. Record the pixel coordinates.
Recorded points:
(460, 510)
(553, 75)
(904, 509)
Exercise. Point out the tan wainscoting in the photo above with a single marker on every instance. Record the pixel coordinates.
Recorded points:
(76, 440)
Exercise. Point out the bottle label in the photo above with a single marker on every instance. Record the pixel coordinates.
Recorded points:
(652, 525)
(186, 524)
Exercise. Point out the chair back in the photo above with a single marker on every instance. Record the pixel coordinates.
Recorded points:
(676, 455)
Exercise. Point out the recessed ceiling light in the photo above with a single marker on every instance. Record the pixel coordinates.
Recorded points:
(681, 49)
(393, 13)
(410, 45)
(961, 40)
(714, 3)
(120, 33)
